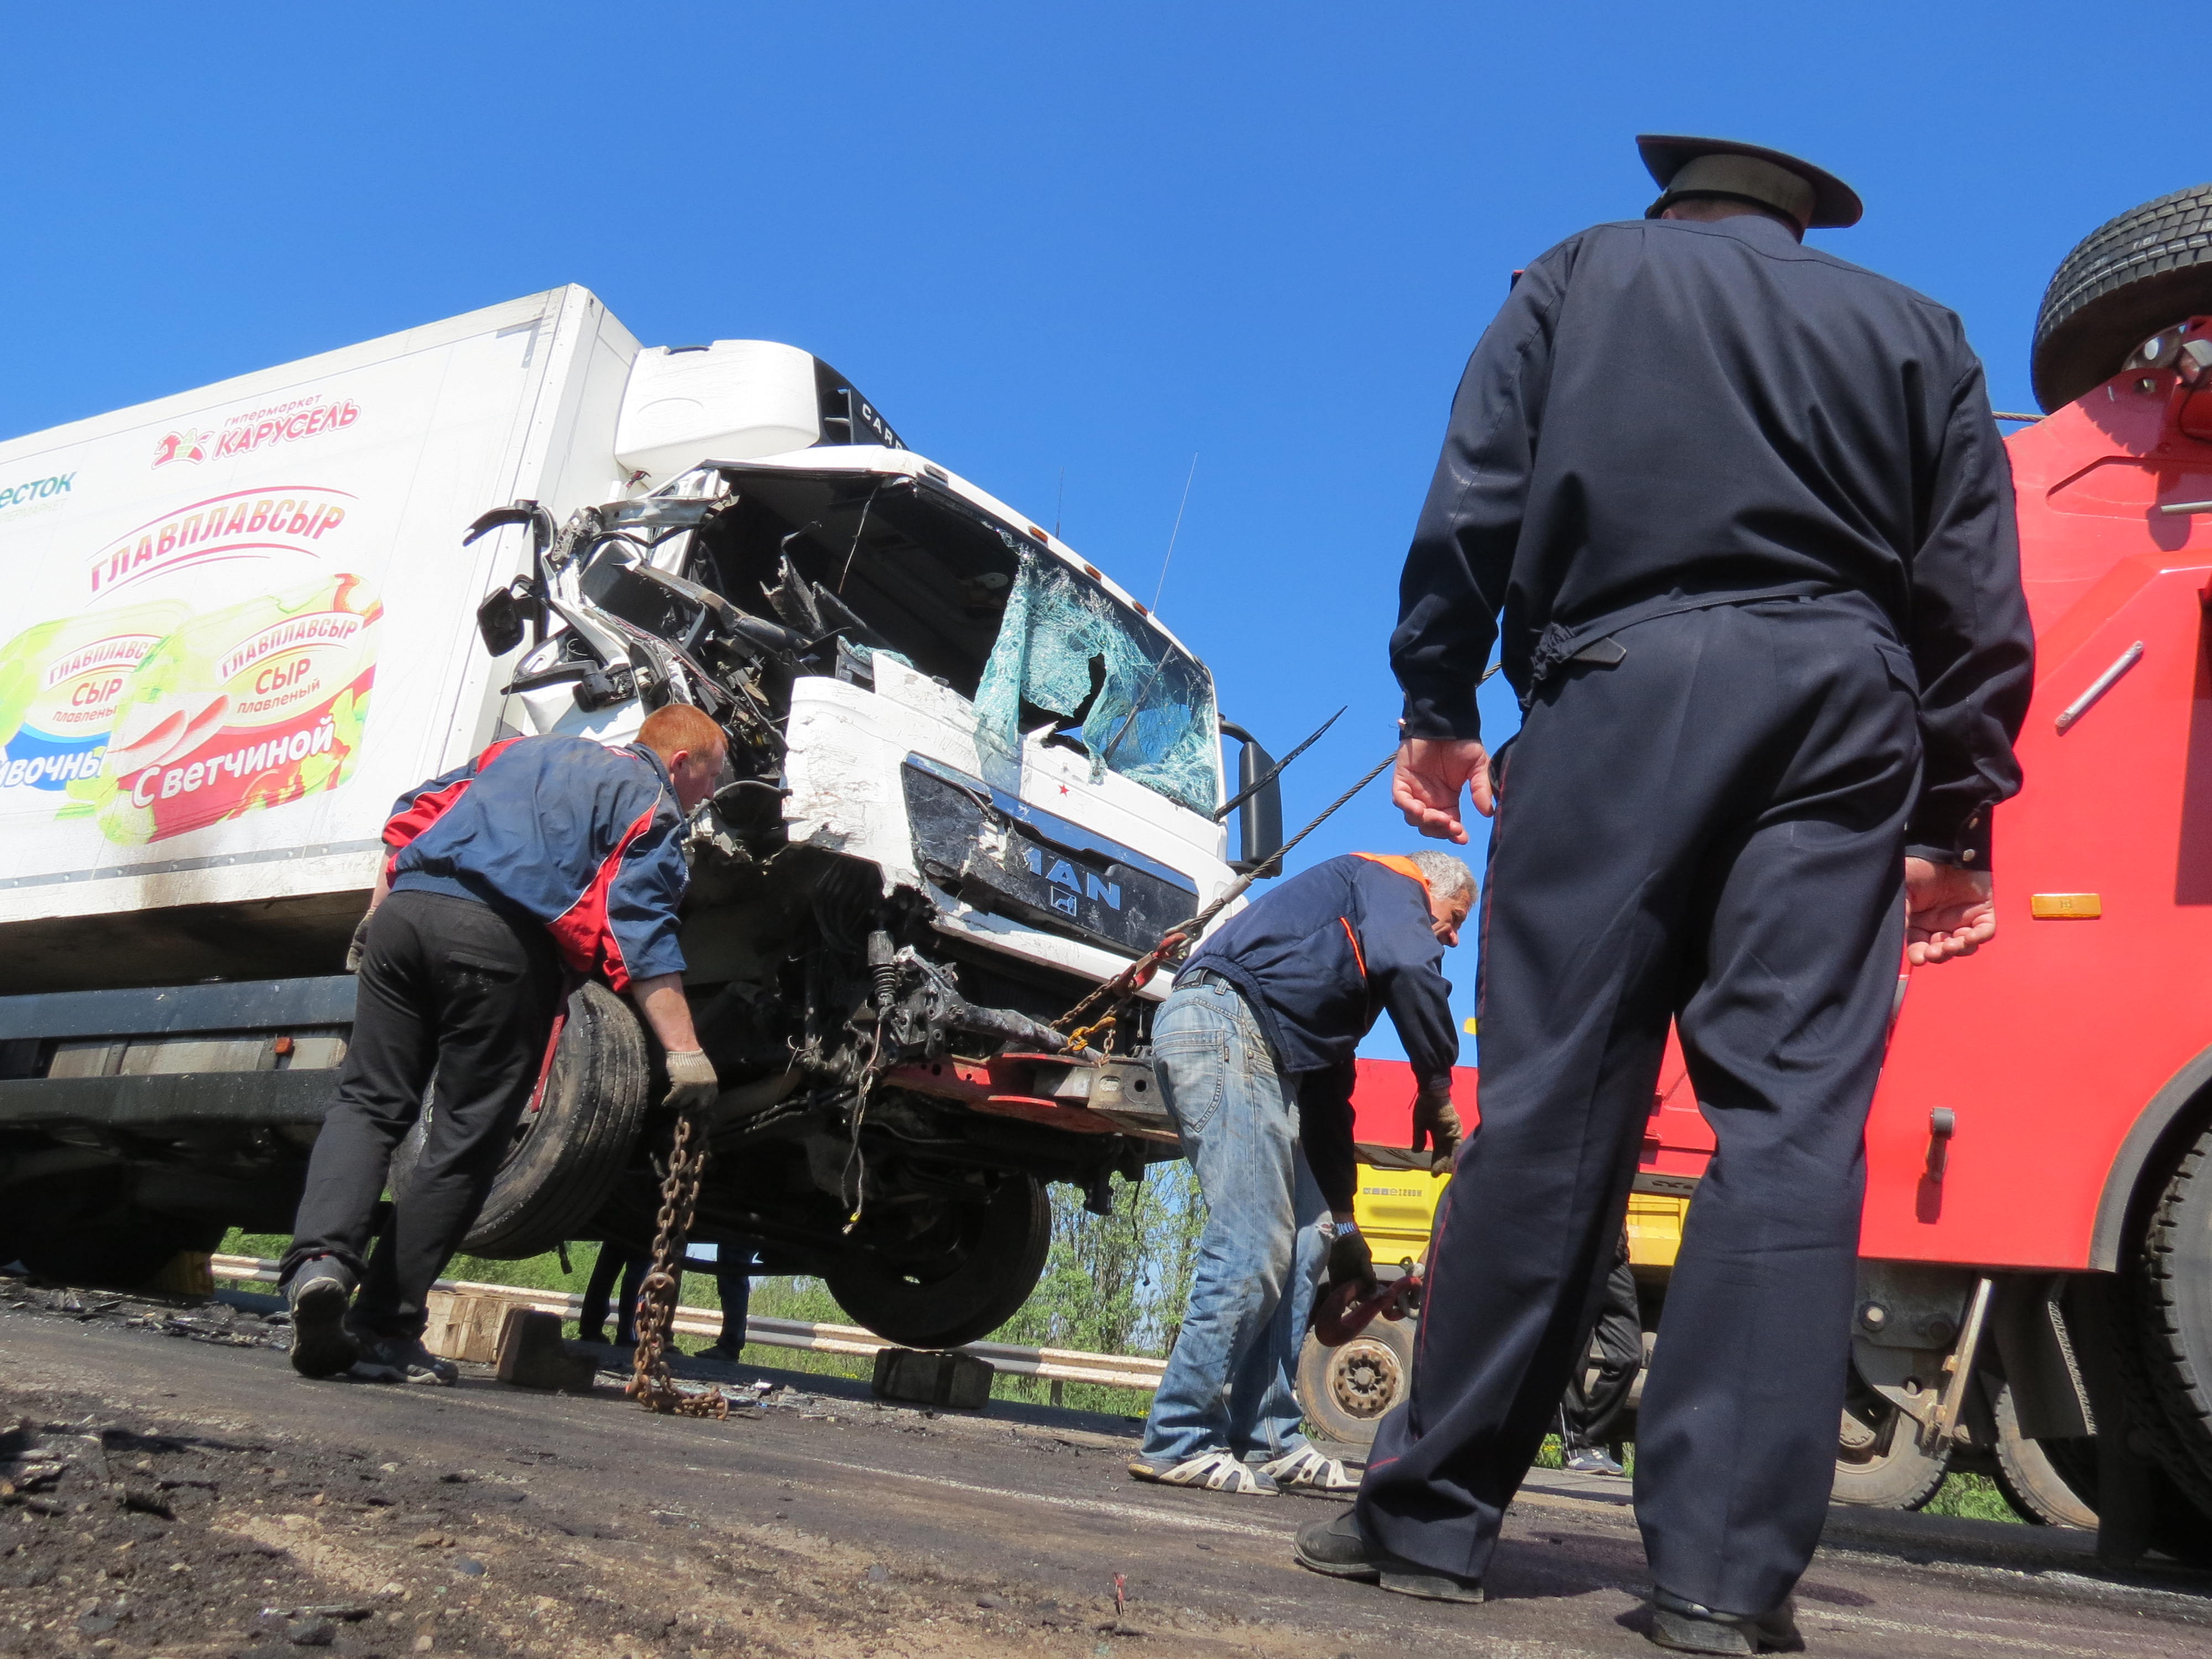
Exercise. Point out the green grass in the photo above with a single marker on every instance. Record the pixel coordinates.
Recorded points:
(1975, 1497)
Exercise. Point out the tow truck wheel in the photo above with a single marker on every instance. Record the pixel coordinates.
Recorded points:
(2131, 276)
(2171, 1293)
(2033, 1474)
(1878, 1461)
(566, 1156)
(1345, 1391)
(976, 1267)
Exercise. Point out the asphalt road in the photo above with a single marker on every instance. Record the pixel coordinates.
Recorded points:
(488, 1519)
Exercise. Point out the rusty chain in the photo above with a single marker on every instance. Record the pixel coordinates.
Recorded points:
(650, 1384)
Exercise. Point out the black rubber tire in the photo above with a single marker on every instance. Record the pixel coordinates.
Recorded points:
(2131, 276)
(2033, 1481)
(993, 1255)
(2171, 1292)
(1894, 1473)
(1344, 1392)
(117, 1255)
(567, 1155)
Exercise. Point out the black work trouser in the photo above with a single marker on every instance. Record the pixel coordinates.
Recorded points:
(631, 1266)
(450, 986)
(1710, 831)
(1588, 1414)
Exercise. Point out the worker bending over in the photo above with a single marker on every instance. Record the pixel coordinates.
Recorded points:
(1253, 1049)
(1748, 520)
(541, 852)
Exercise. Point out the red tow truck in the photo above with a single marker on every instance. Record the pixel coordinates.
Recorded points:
(2035, 1284)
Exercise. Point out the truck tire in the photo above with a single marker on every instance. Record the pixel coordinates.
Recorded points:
(988, 1260)
(1879, 1462)
(567, 1155)
(2171, 1295)
(2126, 280)
(2033, 1475)
(1345, 1391)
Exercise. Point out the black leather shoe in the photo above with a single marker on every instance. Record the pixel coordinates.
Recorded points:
(1693, 1627)
(1334, 1545)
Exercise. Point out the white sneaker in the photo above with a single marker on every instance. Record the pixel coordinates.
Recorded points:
(1215, 1471)
(1307, 1470)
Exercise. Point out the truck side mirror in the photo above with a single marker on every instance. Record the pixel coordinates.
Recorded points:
(1259, 819)
(499, 622)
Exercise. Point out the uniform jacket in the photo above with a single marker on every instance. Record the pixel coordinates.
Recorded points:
(581, 837)
(1318, 960)
(1666, 410)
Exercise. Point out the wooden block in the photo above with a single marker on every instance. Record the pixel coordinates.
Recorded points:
(464, 1327)
(532, 1354)
(959, 1382)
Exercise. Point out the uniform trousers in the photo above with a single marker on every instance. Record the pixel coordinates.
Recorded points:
(1709, 831)
(454, 991)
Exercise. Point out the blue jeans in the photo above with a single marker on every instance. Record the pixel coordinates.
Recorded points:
(1230, 1384)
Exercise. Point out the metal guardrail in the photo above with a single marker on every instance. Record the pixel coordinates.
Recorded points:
(1052, 1365)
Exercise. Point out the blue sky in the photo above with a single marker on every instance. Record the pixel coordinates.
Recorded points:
(1049, 241)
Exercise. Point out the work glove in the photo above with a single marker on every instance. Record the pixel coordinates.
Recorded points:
(358, 944)
(1435, 1120)
(692, 1083)
(1350, 1260)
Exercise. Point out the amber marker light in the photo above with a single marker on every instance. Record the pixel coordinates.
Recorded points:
(2065, 907)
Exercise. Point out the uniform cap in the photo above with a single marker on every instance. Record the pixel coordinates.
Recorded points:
(1816, 200)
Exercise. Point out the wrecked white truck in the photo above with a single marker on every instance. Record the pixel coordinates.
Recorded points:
(969, 779)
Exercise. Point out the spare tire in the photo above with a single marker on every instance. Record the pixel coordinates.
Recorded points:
(967, 1275)
(2131, 276)
(567, 1155)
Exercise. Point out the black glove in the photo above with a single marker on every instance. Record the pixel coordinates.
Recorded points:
(360, 943)
(1435, 1120)
(1350, 1260)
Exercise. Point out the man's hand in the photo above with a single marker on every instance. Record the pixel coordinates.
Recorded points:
(1949, 911)
(1435, 1120)
(1350, 1260)
(691, 1080)
(1431, 774)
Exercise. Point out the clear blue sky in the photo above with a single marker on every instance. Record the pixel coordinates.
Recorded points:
(1045, 240)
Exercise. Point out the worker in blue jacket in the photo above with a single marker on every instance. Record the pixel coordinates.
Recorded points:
(542, 854)
(1737, 516)
(1254, 1050)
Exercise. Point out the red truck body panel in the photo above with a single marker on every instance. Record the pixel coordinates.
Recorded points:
(2049, 1044)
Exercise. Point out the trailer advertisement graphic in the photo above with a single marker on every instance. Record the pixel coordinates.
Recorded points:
(219, 666)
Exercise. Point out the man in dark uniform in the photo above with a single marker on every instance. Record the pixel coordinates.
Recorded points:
(1750, 524)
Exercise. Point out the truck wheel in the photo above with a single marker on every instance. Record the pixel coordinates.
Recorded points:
(566, 1156)
(2171, 1293)
(976, 1266)
(2033, 1475)
(1345, 1391)
(2126, 280)
(1879, 1462)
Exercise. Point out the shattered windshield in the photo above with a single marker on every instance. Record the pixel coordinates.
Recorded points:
(1137, 705)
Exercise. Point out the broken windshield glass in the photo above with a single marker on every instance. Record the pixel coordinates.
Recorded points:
(1138, 706)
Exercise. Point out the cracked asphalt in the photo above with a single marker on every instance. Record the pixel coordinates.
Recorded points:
(171, 1488)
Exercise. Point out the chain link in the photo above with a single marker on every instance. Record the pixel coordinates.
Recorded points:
(650, 1384)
